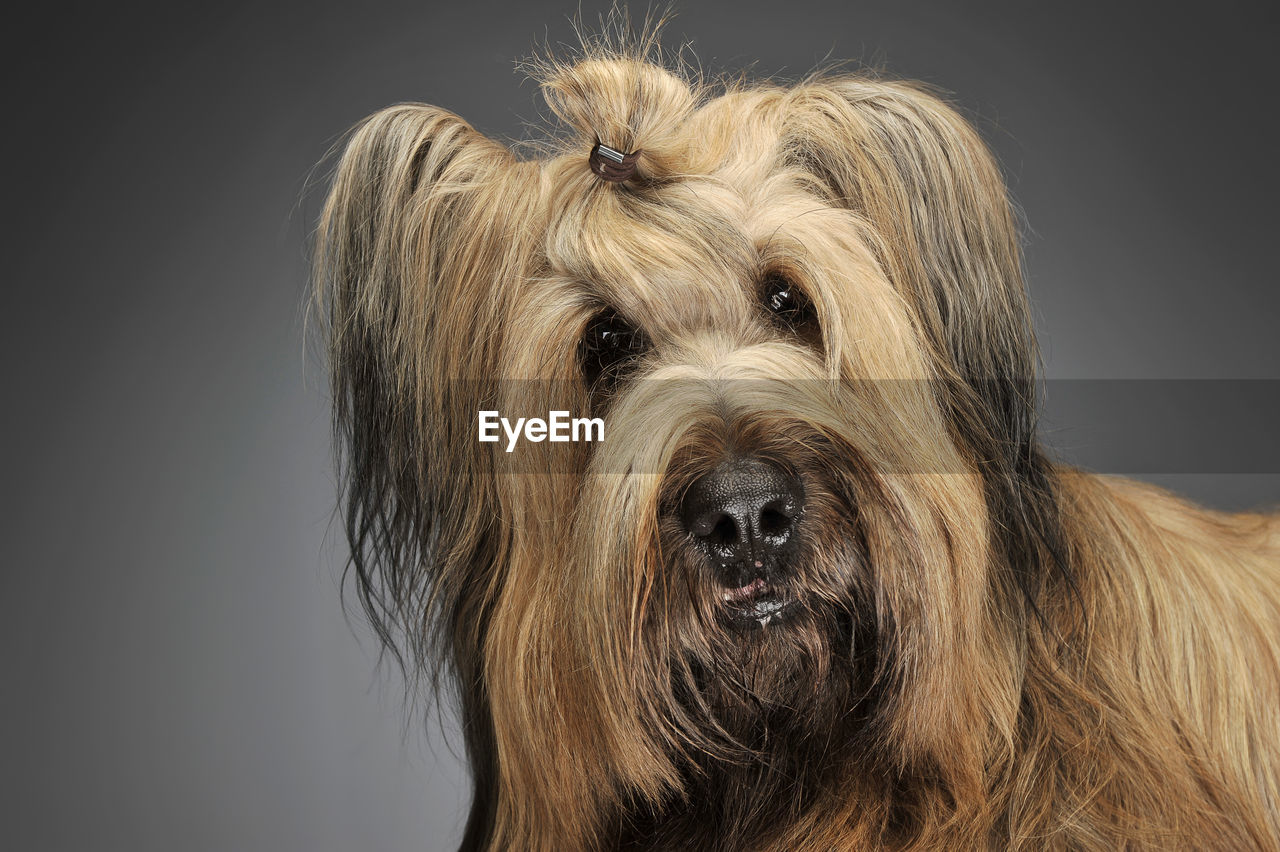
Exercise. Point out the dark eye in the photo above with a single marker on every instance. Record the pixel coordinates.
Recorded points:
(790, 308)
(610, 345)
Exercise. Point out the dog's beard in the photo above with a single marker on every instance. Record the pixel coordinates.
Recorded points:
(781, 658)
(735, 663)
(767, 708)
(723, 686)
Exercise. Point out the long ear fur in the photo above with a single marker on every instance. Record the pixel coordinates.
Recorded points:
(910, 164)
(923, 178)
(424, 217)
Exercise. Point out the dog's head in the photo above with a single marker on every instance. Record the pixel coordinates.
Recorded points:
(799, 312)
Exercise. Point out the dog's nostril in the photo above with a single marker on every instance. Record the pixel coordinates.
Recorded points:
(724, 532)
(774, 521)
(743, 509)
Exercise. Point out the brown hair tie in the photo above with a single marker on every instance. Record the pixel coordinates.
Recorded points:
(613, 166)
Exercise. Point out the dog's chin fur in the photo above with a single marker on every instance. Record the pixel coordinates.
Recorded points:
(962, 646)
(758, 676)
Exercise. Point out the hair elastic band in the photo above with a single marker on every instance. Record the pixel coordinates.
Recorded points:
(613, 166)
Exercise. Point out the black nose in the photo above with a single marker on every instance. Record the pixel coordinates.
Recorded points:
(744, 515)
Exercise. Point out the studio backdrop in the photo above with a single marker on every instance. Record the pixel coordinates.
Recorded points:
(182, 674)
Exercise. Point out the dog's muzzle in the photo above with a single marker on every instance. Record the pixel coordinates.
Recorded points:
(743, 516)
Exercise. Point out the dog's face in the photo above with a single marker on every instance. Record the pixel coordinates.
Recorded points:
(767, 407)
(801, 320)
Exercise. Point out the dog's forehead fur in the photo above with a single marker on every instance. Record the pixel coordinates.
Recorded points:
(690, 255)
(730, 195)
(660, 259)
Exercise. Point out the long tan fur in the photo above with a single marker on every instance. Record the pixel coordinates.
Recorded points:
(996, 652)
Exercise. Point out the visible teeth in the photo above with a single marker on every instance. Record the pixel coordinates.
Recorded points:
(766, 608)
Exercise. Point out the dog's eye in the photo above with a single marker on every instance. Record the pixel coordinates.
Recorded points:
(609, 346)
(789, 307)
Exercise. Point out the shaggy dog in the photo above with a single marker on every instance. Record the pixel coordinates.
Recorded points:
(818, 587)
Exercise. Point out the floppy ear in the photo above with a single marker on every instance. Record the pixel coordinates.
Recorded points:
(921, 176)
(422, 223)
(919, 173)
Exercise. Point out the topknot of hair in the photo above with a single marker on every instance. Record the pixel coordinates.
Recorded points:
(627, 103)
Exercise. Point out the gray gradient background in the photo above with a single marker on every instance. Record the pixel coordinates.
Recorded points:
(179, 674)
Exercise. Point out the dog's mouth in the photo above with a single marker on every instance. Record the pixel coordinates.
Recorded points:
(757, 604)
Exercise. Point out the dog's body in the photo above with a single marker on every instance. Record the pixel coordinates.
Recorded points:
(818, 588)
